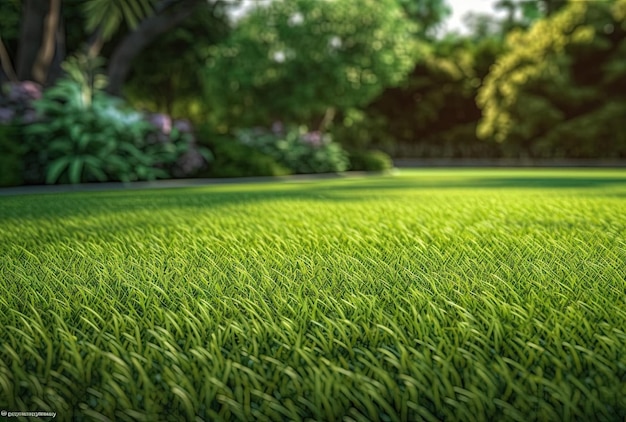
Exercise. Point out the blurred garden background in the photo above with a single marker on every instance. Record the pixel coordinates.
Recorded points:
(430, 294)
(127, 90)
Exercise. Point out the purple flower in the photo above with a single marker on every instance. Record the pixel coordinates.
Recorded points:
(25, 91)
(183, 126)
(157, 137)
(6, 115)
(162, 122)
(189, 162)
(30, 116)
(313, 138)
(277, 127)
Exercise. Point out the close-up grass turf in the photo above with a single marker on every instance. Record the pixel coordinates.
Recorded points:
(423, 295)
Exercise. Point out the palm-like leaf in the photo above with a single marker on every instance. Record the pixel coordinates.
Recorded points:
(56, 168)
(108, 14)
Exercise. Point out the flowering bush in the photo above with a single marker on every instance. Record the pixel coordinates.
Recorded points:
(96, 139)
(81, 134)
(10, 156)
(179, 133)
(17, 103)
(370, 161)
(16, 110)
(233, 159)
(74, 132)
(296, 148)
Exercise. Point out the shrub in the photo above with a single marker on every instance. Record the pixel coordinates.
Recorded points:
(16, 110)
(356, 129)
(370, 161)
(296, 148)
(85, 135)
(235, 160)
(191, 158)
(10, 156)
(433, 113)
(17, 103)
(81, 139)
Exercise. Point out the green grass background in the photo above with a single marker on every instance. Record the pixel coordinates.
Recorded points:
(426, 295)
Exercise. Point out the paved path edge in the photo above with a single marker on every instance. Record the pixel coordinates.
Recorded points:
(177, 183)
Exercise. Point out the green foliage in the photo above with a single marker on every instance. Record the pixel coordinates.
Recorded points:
(559, 90)
(523, 14)
(519, 14)
(550, 7)
(481, 295)
(293, 60)
(358, 129)
(235, 160)
(10, 12)
(434, 111)
(483, 25)
(85, 135)
(84, 70)
(428, 14)
(108, 15)
(16, 111)
(79, 141)
(370, 161)
(10, 156)
(16, 102)
(179, 55)
(297, 149)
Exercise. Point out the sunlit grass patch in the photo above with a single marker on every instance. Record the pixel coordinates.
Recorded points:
(431, 294)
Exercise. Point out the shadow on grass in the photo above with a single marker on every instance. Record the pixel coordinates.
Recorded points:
(96, 203)
(492, 182)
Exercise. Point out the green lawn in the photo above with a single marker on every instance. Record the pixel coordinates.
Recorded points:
(426, 295)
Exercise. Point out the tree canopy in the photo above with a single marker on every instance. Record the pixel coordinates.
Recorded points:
(560, 88)
(166, 75)
(428, 14)
(37, 48)
(296, 60)
(433, 111)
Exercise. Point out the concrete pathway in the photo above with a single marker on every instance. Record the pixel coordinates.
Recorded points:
(399, 163)
(173, 183)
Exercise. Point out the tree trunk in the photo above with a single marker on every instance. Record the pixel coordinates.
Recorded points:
(60, 53)
(141, 37)
(95, 43)
(41, 67)
(328, 118)
(34, 13)
(7, 66)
